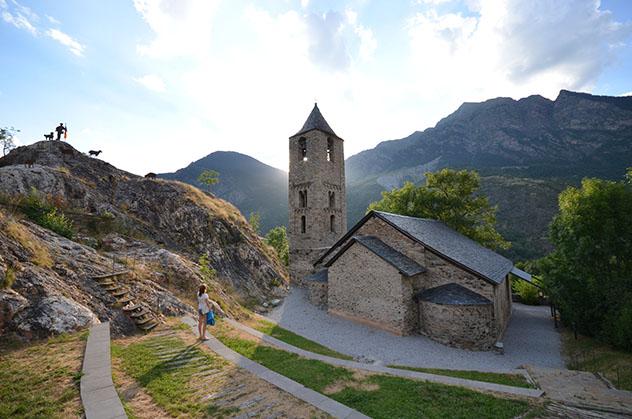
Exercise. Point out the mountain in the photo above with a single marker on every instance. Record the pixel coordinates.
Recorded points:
(245, 182)
(154, 229)
(526, 150)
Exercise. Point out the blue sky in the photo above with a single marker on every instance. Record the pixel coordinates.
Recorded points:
(158, 84)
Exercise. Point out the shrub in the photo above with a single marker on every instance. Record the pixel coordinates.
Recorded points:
(57, 222)
(277, 238)
(9, 278)
(46, 214)
(207, 271)
(529, 294)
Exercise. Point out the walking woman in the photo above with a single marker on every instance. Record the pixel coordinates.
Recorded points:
(204, 306)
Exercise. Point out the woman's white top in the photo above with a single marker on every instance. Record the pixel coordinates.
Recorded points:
(202, 306)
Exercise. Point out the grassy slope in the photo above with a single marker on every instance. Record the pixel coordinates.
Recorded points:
(42, 380)
(169, 388)
(378, 396)
(588, 354)
(292, 338)
(286, 336)
(515, 380)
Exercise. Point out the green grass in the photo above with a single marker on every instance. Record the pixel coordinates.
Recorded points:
(378, 396)
(515, 380)
(588, 354)
(41, 380)
(293, 339)
(169, 388)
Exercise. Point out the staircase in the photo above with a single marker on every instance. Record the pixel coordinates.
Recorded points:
(138, 312)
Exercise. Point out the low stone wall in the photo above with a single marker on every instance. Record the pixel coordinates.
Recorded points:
(317, 293)
(463, 326)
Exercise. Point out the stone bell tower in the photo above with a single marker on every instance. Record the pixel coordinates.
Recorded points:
(317, 201)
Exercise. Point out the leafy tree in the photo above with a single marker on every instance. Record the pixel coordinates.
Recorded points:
(277, 238)
(589, 275)
(450, 196)
(209, 177)
(6, 139)
(255, 222)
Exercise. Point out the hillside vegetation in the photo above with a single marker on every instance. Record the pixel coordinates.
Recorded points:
(155, 230)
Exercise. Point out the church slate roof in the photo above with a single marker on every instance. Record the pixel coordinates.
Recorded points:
(452, 294)
(402, 263)
(440, 239)
(315, 120)
(455, 246)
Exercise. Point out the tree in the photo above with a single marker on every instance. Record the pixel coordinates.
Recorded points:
(589, 274)
(208, 177)
(255, 222)
(450, 196)
(6, 139)
(277, 238)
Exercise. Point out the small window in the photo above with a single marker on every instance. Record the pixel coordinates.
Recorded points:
(332, 223)
(330, 149)
(332, 199)
(302, 199)
(302, 149)
(303, 225)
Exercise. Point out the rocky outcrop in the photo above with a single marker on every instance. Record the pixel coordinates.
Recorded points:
(155, 230)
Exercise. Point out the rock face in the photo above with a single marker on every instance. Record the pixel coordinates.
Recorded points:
(526, 151)
(155, 229)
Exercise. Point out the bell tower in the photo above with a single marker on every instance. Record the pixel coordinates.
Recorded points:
(317, 201)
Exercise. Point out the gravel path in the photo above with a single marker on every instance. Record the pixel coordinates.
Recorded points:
(530, 339)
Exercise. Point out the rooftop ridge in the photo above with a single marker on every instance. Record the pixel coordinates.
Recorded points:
(316, 121)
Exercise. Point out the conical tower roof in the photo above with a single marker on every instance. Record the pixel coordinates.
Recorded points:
(316, 120)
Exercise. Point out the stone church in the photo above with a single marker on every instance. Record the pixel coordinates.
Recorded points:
(401, 274)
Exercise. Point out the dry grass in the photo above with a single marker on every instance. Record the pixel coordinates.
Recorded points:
(41, 255)
(42, 380)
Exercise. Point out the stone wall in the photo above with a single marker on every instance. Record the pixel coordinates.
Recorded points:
(440, 271)
(363, 286)
(502, 307)
(317, 293)
(317, 177)
(463, 326)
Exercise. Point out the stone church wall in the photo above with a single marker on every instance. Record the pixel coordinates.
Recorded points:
(440, 271)
(367, 289)
(463, 326)
(317, 292)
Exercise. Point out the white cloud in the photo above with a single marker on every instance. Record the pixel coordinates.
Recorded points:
(181, 27)
(254, 87)
(19, 21)
(52, 20)
(515, 48)
(151, 82)
(626, 94)
(63, 38)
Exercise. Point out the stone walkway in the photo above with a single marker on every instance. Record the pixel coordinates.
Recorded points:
(435, 378)
(583, 391)
(98, 395)
(530, 339)
(297, 390)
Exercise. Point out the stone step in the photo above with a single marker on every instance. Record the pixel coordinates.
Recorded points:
(148, 327)
(140, 322)
(139, 313)
(110, 275)
(124, 301)
(120, 292)
(132, 307)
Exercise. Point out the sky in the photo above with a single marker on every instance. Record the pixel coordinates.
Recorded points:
(157, 84)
